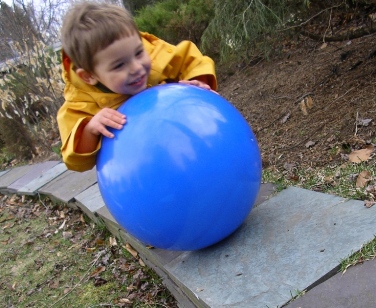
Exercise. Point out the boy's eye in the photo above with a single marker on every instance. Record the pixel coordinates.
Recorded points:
(139, 53)
(119, 65)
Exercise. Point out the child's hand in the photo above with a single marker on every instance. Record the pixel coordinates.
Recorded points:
(106, 117)
(198, 83)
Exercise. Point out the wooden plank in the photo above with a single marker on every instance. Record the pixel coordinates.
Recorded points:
(90, 201)
(177, 291)
(12, 176)
(267, 190)
(32, 174)
(69, 184)
(157, 256)
(154, 258)
(44, 178)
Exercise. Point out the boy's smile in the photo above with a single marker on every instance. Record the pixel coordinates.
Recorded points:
(123, 67)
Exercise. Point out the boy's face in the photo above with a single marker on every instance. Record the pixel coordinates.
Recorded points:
(123, 67)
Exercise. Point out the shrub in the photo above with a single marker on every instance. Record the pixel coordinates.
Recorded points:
(174, 20)
(31, 92)
(17, 141)
(243, 30)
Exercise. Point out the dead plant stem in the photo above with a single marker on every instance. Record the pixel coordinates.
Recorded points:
(309, 19)
(356, 124)
(326, 30)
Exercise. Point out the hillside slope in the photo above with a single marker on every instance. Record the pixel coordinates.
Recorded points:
(313, 104)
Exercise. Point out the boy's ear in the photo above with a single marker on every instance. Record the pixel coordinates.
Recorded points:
(86, 76)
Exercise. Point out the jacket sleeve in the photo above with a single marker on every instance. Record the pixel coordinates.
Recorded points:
(177, 62)
(193, 63)
(71, 121)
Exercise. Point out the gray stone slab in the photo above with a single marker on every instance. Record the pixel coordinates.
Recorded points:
(42, 179)
(287, 243)
(354, 289)
(3, 172)
(69, 184)
(12, 176)
(36, 171)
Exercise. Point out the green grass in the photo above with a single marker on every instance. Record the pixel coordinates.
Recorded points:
(336, 180)
(53, 256)
(367, 252)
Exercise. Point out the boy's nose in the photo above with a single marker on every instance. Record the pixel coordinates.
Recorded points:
(135, 66)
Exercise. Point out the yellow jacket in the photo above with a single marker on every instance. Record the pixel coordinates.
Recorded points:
(82, 101)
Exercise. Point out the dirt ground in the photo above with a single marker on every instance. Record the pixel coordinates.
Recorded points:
(313, 104)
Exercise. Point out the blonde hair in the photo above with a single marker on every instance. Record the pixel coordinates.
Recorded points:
(90, 27)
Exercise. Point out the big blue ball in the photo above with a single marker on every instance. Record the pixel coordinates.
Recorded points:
(185, 170)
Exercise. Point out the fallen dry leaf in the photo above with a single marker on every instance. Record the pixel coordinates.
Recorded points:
(130, 249)
(99, 242)
(310, 144)
(286, 117)
(97, 271)
(309, 102)
(141, 263)
(363, 122)
(8, 226)
(28, 242)
(372, 16)
(371, 189)
(61, 226)
(361, 155)
(303, 107)
(98, 281)
(125, 301)
(305, 104)
(112, 241)
(324, 45)
(10, 217)
(369, 203)
(363, 178)
(67, 235)
(329, 181)
(82, 218)
(6, 242)
(54, 284)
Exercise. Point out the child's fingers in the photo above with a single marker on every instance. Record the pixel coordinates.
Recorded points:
(111, 118)
(196, 83)
(104, 119)
(115, 116)
(106, 133)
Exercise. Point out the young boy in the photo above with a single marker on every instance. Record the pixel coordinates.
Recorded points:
(105, 61)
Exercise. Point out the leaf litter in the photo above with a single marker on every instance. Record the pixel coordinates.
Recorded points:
(52, 256)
